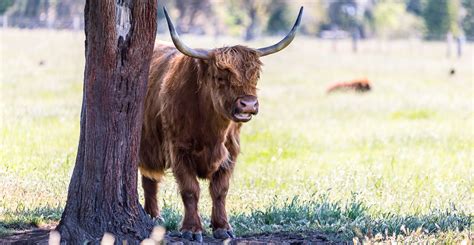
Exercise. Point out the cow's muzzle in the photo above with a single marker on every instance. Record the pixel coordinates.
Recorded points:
(244, 108)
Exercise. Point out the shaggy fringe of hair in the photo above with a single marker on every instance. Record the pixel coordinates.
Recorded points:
(237, 59)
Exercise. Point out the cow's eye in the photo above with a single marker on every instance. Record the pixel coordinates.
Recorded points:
(220, 80)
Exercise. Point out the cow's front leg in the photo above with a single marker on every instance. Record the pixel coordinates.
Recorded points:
(191, 227)
(219, 185)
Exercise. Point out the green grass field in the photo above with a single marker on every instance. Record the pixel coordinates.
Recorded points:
(397, 160)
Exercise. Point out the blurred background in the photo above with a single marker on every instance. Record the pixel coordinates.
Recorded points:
(249, 19)
(355, 162)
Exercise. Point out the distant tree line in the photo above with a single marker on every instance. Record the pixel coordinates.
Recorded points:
(64, 14)
(431, 19)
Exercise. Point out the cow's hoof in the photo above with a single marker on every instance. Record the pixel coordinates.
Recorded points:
(223, 234)
(189, 235)
(198, 236)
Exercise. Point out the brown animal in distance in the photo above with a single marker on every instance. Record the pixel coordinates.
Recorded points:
(359, 85)
(196, 103)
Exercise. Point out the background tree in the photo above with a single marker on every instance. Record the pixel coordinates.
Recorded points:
(102, 193)
(393, 21)
(468, 21)
(251, 18)
(352, 16)
(189, 11)
(67, 11)
(314, 16)
(252, 14)
(4, 5)
(44, 13)
(257, 11)
(342, 14)
(415, 6)
(28, 13)
(441, 17)
(279, 17)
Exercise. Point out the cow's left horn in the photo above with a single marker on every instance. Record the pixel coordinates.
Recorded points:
(183, 48)
(285, 41)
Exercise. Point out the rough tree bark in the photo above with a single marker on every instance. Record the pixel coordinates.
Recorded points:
(102, 193)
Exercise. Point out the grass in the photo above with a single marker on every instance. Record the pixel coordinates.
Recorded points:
(395, 163)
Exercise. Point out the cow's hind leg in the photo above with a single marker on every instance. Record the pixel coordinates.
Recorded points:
(219, 185)
(191, 227)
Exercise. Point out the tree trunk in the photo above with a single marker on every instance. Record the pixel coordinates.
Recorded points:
(251, 31)
(32, 9)
(103, 193)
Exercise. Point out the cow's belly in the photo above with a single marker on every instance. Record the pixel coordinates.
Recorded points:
(202, 160)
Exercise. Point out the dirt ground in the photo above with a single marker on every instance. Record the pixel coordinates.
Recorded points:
(40, 236)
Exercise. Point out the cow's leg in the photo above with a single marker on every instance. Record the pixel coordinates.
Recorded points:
(150, 183)
(191, 227)
(150, 189)
(219, 185)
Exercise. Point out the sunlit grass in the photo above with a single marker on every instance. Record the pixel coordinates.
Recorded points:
(404, 150)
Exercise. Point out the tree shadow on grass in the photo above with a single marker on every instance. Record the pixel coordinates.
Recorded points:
(24, 219)
(295, 220)
(321, 218)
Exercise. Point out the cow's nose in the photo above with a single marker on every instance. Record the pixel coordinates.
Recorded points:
(248, 104)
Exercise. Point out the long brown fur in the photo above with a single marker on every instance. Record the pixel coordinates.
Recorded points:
(188, 125)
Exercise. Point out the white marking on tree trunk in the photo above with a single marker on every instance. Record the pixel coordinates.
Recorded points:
(122, 20)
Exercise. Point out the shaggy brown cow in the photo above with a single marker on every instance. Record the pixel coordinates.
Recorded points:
(195, 105)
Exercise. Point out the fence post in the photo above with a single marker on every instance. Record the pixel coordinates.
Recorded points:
(459, 43)
(355, 39)
(5, 21)
(449, 43)
(76, 23)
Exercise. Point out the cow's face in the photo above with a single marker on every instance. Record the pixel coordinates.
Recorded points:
(232, 80)
(233, 72)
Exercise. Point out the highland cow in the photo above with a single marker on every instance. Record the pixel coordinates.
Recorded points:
(196, 103)
(359, 85)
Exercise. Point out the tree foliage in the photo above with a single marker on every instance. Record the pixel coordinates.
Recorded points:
(468, 21)
(4, 5)
(191, 13)
(251, 18)
(279, 17)
(441, 17)
(257, 12)
(393, 21)
(343, 13)
(415, 6)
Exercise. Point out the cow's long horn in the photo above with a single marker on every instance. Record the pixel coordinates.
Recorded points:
(285, 41)
(183, 48)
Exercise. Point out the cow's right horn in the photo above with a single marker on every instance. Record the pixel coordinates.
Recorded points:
(183, 48)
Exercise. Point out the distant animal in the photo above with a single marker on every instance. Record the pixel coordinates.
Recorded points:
(195, 105)
(359, 85)
(452, 71)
